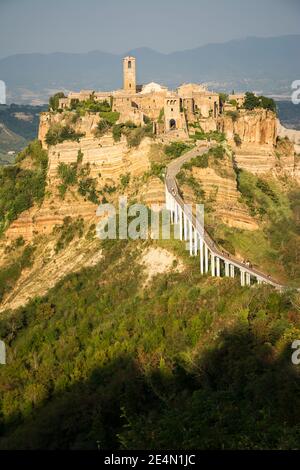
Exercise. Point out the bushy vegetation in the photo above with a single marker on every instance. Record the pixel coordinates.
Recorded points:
(260, 197)
(21, 187)
(191, 181)
(88, 188)
(58, 133)
(186, 363)
(176, 149)
(77, 174)
(134, 134)
(107, 122)
(252, 101)
(202, 161)
(54, 101)
(90, 106)
(68, 176)
(279, 213)
(211, 135)
(125, 180)
(237, 140)
(11, 273)
(234, 115)
(68, 231)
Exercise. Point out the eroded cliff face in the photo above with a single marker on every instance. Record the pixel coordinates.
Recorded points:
(218, 181)
(253, 127)
(81, 124)
(106, 161)
(262, 150)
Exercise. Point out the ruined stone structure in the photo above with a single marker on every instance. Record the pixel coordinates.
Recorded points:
(169, 110)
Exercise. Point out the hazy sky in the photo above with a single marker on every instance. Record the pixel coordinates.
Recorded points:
(121, 25)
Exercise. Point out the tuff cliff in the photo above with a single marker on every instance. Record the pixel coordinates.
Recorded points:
(261, 145)
(102, 160)
(253, 127)
(259, 151)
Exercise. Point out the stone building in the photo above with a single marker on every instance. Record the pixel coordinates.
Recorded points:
(170, 110)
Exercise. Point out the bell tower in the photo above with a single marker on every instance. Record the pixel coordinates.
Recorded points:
(129, 74)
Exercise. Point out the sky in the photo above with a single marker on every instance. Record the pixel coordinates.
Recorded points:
(121, 25)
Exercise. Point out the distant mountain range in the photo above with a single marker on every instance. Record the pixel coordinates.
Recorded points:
(267, 65)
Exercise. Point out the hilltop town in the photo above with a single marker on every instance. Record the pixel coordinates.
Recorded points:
(169, 110)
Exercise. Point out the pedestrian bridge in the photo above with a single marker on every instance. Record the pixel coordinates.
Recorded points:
(212, 259)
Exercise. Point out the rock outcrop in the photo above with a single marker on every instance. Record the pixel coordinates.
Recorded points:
(257, 127)
(261, 149)
(218, 181)
(106, 161)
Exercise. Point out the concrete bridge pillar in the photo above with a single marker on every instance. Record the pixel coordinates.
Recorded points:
(206, 258)
(242, 277)
(195, 242)
(191, 237)
(213, 264)
(201, 256)
(218, 272)
(226, 269)
(231, 270)
(180, 222)
(248, 279)
(172, 209)
(185, 227)
(176, 212)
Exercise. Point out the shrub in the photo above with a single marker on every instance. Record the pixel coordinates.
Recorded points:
(87, 187)
(54, 101)
(223, 97)
(58, 134)
(110, 117)
(157, 169)
(117, 132)
(237, 140)
(252, 101)
(103, 127)
(135, 136)
(68, 231)
(217, 152)
(10, 274)
(233, 114)
(90, 106)
(124, 180)
(201, 161)
(176, 149)
(20, 188)
(80, 156)
(67, 173)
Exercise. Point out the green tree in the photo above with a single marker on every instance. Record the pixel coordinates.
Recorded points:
(54, 101)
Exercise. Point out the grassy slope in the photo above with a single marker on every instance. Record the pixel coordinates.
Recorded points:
(188, 362)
